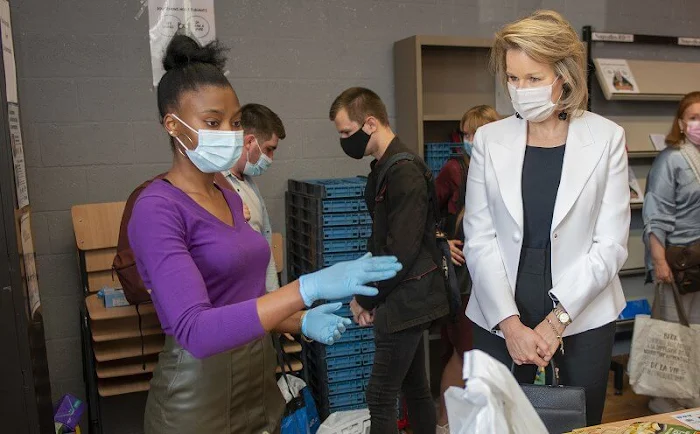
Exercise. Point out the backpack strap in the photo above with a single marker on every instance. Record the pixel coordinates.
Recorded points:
(427, 175)
(462, 184)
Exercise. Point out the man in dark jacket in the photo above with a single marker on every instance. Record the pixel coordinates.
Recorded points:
(403, 226)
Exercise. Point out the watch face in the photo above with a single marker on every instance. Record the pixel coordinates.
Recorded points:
(564, 317)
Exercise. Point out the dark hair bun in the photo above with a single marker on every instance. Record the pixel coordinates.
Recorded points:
(183, 51)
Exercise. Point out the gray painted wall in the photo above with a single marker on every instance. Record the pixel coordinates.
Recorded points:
(90, 117)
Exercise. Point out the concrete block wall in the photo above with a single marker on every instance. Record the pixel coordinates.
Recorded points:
(90, 119)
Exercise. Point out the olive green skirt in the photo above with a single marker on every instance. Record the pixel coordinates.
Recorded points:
(232, 392)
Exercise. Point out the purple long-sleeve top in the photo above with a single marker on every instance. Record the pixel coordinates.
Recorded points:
(204, 275)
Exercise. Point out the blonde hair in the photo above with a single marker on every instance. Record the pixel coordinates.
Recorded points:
(548, 38)
(676, 137)
(478, 116)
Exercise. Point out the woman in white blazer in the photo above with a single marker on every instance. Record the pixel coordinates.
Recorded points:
(547, 215)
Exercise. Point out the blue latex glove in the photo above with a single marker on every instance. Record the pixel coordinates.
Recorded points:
(322, 326)
(348, 278)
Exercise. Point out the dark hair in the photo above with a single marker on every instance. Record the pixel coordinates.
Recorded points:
(188, 66)
(260, 120)
(675, 137)
(360, 103)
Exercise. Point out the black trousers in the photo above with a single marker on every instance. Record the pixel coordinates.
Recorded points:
(399, 366)
(586, 359)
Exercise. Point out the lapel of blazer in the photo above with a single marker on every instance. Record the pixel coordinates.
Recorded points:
(507, 154)
(581, 157)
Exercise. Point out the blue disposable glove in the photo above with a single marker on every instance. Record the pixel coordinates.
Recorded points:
(346, 279)
(322, 326)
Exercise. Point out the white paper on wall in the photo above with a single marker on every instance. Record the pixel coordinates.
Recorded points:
(166, 17)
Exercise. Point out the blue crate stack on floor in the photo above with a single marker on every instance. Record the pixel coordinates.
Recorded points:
(328, 222)
(437, 154)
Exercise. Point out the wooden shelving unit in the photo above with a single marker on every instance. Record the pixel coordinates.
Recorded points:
(437, 78)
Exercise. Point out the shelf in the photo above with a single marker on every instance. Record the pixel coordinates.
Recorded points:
(296, 365)
(656, 80)
(123, 385)
(127, 348)
(124, 328)
(642, 154)
(291, 347)
(97, 310)
(632, 271)
(125, 368)
(442, 117)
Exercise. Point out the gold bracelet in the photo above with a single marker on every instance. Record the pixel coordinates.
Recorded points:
(301, 321)
(556, 332)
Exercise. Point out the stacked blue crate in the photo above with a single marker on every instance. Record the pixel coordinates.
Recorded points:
(437, 154)
(328, 222)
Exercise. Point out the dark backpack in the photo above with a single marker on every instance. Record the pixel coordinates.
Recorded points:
(444, 258)
(124, 263)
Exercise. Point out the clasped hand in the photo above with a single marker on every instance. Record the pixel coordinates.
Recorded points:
(531, 347)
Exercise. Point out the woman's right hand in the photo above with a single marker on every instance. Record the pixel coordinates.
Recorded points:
(524, 344)
(456, 251)
(349, 278)
(662, 272)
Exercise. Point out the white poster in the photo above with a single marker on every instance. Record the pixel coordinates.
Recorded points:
(8, 52)
(659, 141)
(636, 193)
(18, 155)
(691, 418)
(29, 264)
(166, 17)
(617, 75)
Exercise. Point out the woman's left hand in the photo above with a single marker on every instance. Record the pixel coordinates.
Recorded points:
(546, 331)
(321, 325)
(246, 212)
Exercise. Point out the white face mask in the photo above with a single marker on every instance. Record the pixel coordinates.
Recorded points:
(216, 150)
(534, 103)
(260, 166)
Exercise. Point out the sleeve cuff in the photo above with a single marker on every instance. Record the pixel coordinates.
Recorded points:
(367, 303)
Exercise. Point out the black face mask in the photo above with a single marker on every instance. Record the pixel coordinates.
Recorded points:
(356, 145)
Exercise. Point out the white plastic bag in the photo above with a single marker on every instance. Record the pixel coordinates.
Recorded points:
(492, 402)
(346, 422)
(295, 385)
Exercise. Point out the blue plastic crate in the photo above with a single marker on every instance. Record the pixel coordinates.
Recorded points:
(333, 363)
(362, 245)
(343, 205)
(343, 219)
(368, 359)
(323, 388)
(368, 333)
(329, 188)
(335, 246)
(368, 347)
(344, 311)
(346, 399)
(365, 231)
(337, 375)
(341, 232)
(352, 336)
(365, 218)
(334, 258)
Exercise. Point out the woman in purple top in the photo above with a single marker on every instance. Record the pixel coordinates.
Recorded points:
(206, 268)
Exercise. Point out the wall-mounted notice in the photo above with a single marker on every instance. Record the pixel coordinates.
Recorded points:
(194, 18)
(29, 264)
(8, 52)
(617, 76)
(18, 155)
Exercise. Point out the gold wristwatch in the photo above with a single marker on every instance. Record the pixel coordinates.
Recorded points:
(562, 316)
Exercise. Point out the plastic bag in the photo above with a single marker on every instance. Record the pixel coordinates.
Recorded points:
(346, 422)
(492, 402)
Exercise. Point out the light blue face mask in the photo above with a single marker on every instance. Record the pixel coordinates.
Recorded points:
(468, 147)
(260, 166)
(216, 150)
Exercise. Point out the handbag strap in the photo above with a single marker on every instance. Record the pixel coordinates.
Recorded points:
(692, 155)
(552, 365)
(656, 307)
(281, 357)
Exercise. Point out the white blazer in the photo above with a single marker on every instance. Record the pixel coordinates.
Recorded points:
(589, 230)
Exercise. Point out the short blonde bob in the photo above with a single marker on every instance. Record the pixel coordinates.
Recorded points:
(476, 117)
(547, 38)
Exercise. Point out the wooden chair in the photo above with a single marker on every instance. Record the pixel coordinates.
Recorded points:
(120, 344)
